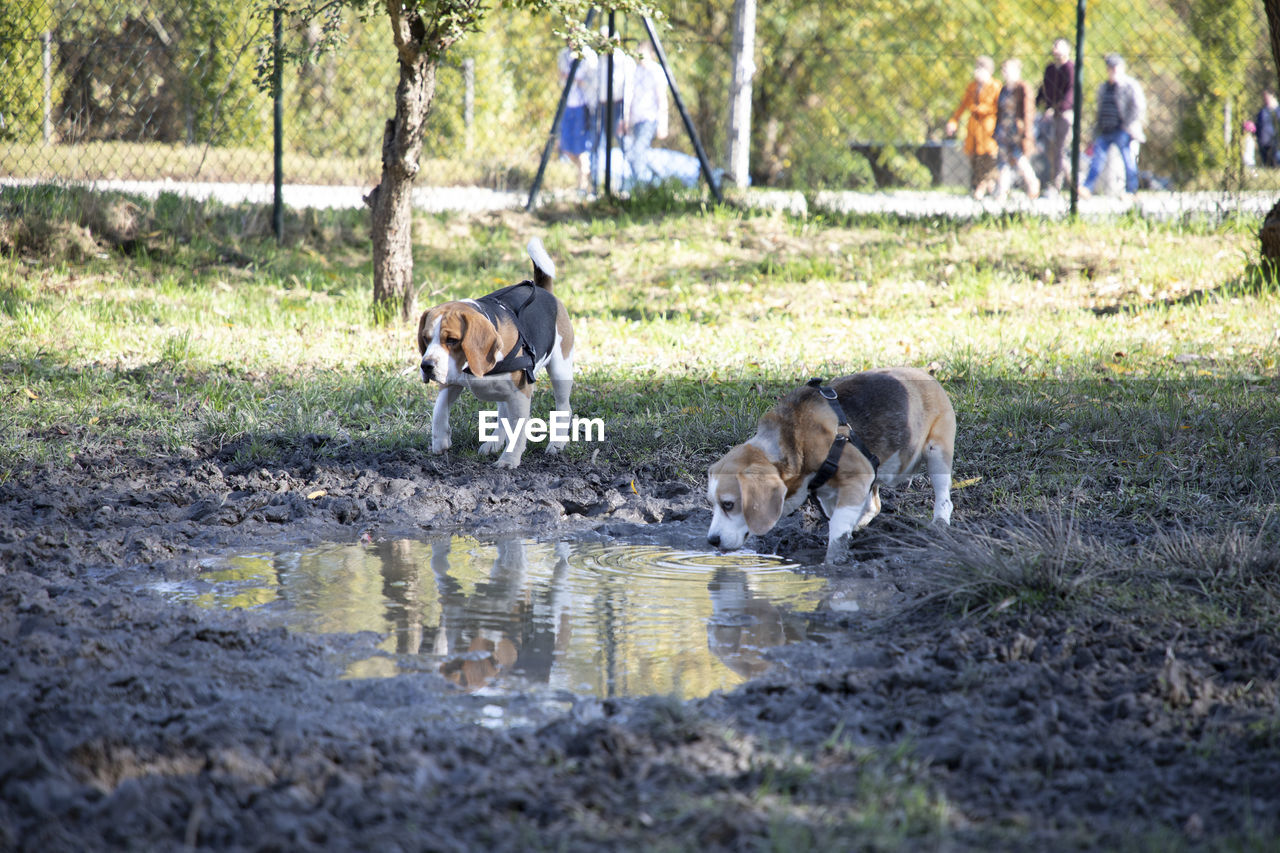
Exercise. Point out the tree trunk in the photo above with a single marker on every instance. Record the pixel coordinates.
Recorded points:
(1272, 8)
(1270, 234)
(391, 200)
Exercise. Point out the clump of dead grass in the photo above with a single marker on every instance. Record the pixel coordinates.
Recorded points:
(46, 239)
(1030, 563)
(53, 224)
(1236, 572)
(68, 224)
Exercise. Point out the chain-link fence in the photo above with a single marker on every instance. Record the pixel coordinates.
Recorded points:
(845, 95)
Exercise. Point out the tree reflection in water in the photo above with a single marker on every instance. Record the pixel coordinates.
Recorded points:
(598, 618)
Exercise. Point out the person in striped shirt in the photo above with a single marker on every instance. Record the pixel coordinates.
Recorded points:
(1121, 111)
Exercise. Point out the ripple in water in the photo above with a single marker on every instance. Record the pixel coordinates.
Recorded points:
(595, 618)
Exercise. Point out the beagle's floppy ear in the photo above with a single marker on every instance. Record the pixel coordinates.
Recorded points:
(479, 344)
(762, 495)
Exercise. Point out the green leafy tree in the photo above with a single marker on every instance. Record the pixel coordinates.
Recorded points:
(162, 70)
(1272, 10)
(20, 70)
(215, 74)
(352, 84)
(1268, 235)
(514, 100)
(503, 125)
(422, 35)
(1225, 32)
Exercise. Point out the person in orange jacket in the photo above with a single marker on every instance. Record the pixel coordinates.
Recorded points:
(981, 99)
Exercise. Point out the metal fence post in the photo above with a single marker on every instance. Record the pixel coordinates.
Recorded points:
(555, 123)
(277, 96)
(610, 120)
(703, 162)
(46, 56)
(1077, 109)
(469, 103)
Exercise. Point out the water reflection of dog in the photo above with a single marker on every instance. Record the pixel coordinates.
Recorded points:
(743, 625)
(504, 625)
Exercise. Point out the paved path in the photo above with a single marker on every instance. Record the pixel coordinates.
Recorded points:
(431, 199)
(1152, 205)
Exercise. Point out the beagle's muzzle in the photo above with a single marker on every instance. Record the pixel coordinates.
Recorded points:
(897, 419)
(494, 346)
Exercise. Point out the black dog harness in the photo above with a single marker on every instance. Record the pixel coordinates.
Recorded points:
(832, 462)
(533, 313)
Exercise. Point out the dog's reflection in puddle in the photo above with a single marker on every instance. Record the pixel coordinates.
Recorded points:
(506, 624)
(744, 624)
(503, 624)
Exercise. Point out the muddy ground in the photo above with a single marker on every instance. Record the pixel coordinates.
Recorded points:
(128, 721)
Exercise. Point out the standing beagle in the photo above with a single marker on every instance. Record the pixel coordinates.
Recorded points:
(493, 346)
(838, 443)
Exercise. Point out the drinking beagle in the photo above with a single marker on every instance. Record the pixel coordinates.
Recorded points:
(493, 346)
(838, 443)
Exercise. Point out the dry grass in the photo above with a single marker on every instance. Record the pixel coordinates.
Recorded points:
(1024, 563)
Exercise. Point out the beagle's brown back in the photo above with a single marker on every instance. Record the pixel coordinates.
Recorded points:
(887, 407)
(892, 408)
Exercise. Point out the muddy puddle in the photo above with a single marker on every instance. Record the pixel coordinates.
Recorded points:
(593, 618)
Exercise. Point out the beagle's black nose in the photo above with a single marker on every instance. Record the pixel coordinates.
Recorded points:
(714, 539)
(427, 370)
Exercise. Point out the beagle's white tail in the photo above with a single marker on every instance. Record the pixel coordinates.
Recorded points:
(544, 269)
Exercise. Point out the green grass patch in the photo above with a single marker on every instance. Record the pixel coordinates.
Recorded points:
(1115, 380)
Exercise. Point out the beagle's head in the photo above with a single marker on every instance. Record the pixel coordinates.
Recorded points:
(746, 494)
(454, 336)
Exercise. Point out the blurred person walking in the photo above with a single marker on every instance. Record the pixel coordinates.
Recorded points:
(645, 109)
(1016, 131)
(1057, 96)
(1121, 110)
(1266, 123)
(1249, 145)
(575, 124)
(980, 101)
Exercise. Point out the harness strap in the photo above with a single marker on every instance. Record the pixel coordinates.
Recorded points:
(829, 465)
(832, 462)
(522, 356)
